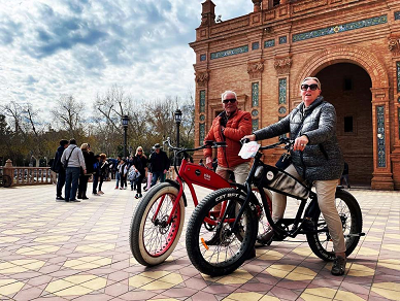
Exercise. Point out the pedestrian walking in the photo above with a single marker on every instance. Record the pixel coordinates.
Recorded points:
(159, 163)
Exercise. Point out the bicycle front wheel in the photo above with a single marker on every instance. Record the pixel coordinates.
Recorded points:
(152, 238)
(351, 217)
(220, 250)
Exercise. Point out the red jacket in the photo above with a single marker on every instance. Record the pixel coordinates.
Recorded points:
(237, 126)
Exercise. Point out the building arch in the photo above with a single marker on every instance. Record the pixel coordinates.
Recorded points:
(345, 54)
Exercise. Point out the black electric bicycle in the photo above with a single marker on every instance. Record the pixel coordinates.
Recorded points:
(221, 249)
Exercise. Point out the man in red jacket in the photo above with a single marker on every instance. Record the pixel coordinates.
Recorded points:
(229, 126)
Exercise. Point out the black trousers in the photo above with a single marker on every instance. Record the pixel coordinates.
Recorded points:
(95, 183)
(60, 183)
(83, 181)
(101, 182)
(139, 183)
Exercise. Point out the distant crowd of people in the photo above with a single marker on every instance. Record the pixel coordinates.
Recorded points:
(75, 165)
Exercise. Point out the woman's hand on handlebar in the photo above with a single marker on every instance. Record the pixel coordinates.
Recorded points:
(251, 137)
(300, 143)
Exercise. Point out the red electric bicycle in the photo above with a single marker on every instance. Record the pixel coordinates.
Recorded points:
(158, 219)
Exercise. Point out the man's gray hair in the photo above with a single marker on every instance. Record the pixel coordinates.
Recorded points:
(312, 78)
(227, 92)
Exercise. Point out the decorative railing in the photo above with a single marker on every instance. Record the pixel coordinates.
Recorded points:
(27, 175)
(43, 175)
(32, 175)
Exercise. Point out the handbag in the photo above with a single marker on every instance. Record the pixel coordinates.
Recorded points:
(70, 154)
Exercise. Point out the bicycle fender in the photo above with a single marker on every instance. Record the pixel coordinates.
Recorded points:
(176, 184)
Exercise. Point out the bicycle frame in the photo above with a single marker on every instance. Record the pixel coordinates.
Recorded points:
(312, 209)
(194, 174)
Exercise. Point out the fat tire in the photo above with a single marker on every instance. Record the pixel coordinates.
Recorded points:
(194, 226)
(355, 228)
(136, 235)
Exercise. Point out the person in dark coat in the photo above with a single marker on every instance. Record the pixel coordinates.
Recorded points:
(96, 174)
(84, 178)
(316, 158)
(104, 170)
(159, 163)
(58, 168)
(139, 162)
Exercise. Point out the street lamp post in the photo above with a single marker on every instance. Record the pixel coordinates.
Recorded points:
(125, 122)
(178, 119)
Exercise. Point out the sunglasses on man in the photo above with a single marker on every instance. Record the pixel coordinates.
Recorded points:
(231, 100)
(312, 87)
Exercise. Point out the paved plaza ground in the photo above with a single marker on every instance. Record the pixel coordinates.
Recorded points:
(80, 251)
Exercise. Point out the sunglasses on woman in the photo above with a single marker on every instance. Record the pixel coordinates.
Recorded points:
(312, 87)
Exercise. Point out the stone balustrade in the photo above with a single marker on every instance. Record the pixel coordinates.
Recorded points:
(28, 175)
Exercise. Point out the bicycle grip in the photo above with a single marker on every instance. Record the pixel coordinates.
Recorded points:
(219, 144)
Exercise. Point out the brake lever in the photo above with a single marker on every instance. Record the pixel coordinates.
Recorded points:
(244, 140)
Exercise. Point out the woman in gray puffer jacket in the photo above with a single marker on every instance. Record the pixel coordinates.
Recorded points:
(316, 157)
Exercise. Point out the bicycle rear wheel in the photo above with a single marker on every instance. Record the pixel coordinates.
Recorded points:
(7, 181)
(152, 239)
(215, 252)
(350, 214)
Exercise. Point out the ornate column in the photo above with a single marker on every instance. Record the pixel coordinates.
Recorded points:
(382, 175)
(394, 47)
(202, 78)
(255, 70)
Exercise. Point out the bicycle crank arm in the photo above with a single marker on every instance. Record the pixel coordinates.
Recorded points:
(355, 234)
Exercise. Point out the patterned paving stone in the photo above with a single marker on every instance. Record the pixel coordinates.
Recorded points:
(59, 251)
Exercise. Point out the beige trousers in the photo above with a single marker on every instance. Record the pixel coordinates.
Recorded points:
(240, 171)
(326, 201)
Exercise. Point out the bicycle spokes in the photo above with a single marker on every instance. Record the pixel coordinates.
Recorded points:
(157, 239)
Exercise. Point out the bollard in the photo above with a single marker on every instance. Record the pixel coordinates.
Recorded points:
(8, 169)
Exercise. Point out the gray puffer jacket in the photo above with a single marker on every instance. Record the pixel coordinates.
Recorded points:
(321, 158)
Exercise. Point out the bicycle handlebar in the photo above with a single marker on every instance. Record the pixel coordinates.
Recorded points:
(282, 140)
(209, 143)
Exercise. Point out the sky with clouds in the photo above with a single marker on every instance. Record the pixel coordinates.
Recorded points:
(50, 48)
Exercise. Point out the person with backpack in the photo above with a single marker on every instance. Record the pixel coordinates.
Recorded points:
(58, 168)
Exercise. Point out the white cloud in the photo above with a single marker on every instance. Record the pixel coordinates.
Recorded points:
(83, 47)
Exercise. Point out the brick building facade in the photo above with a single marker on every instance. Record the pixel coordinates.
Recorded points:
(353, 46)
